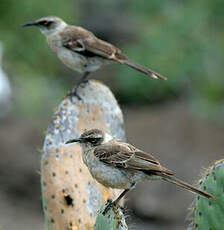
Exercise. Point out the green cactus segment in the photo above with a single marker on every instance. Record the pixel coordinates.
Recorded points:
(114, 219)
(209, 213)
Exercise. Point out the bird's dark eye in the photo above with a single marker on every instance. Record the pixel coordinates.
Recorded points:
(45, 23)
(94, 141)
(42, 23)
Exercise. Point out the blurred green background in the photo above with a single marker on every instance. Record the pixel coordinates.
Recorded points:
(182, 40)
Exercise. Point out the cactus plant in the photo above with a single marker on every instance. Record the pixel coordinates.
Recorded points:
(113, 219)
(209, 213)
(71, 197)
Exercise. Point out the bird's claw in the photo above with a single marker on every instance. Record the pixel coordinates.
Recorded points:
(83, 83)
(109, 205)
(74, 93)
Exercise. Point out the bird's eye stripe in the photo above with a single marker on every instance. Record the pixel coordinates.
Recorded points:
(42, 22)
(93, 140)
(48, 23)
(45, 23)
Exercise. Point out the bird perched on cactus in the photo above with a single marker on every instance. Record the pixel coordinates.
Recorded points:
(118, 164)
(81, 50)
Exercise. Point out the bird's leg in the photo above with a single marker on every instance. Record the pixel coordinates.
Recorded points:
(115, 202)
(81, 80)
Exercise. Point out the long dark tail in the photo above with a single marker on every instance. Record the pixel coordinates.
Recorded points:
(144, 70)
(187, 186)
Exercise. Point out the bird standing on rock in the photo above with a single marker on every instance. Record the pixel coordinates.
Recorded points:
(118, 164)
(81, 50)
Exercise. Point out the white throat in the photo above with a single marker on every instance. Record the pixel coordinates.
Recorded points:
(107, 138)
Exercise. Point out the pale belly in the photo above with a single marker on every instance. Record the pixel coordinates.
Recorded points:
(78, 62)
(111, 177)
(114, 177)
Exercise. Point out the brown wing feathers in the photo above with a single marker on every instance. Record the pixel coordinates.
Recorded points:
(126, 156)
(92, 46)
(90, 43)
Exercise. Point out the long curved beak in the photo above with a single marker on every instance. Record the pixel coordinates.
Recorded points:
(73, 140)
(30, 24)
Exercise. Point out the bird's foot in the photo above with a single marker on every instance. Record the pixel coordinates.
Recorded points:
(74, 93)
(109, 205)
(83, 83)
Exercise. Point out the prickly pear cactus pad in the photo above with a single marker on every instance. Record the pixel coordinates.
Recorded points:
(71, 197)
(208, 214)
(113, 220)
